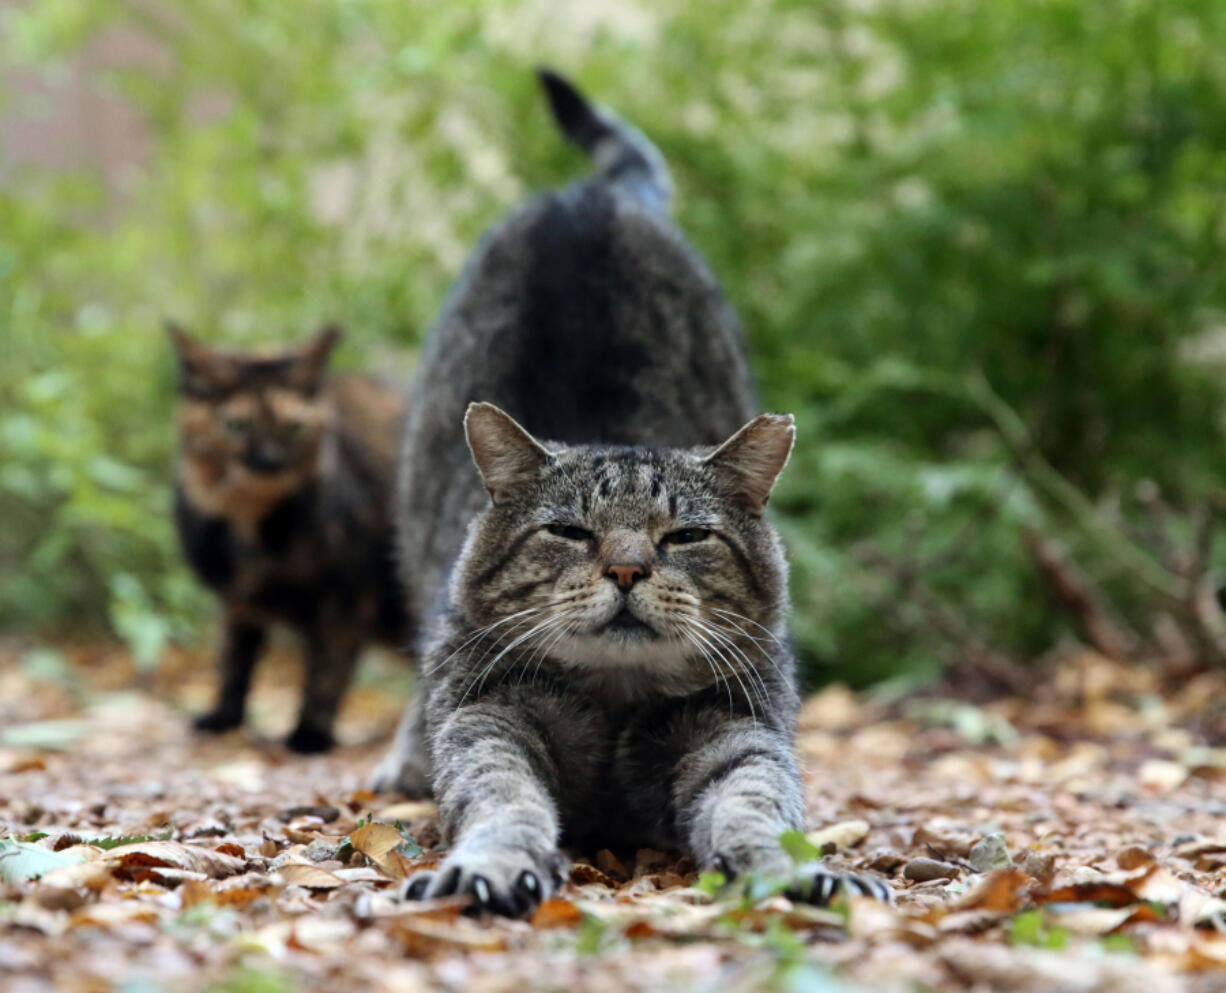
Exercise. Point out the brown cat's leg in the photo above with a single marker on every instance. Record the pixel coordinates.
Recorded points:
(242, 643)
(331, 657)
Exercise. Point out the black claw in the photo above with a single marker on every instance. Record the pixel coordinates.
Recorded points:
(446, 886)
(417, 885)
(529, 885)
(481, 890)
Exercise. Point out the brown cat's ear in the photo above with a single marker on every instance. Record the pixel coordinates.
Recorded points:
(198, 364)
(507, 457)
(311, 363)
(750, 461)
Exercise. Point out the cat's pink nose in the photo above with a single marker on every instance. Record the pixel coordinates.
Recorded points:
(628, 574)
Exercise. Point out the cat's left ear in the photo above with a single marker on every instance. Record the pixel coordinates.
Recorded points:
(312, 361)
(750, 461)
(508, 457)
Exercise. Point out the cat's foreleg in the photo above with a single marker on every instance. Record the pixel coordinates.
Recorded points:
(405, 767)
(493, 781)
(738, 792)
(332, 651)
(242, 643)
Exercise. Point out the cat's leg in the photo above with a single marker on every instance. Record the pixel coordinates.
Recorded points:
(406, 767)
(736, 793)
(242, 643)
(332, 650)
(494, 780)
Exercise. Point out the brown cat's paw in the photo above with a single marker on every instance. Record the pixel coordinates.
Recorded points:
(307, 740)
(818, 885)
(216, 721)
(511, 883)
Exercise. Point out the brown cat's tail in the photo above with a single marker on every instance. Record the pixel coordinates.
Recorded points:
(622, 154)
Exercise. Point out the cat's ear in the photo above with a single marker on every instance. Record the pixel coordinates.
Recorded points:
(311, 364)
(197, 362)
(749, 462)
(507, 457)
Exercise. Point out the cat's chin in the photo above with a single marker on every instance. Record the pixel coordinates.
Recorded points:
(633, 646)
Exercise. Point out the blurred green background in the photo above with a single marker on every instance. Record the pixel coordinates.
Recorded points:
(976, 247)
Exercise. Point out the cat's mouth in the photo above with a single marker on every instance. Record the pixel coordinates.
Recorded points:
(624, 622)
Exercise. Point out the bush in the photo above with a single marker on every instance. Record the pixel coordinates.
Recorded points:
(905, 201)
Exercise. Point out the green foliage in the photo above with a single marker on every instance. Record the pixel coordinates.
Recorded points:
(21, 860)
(799, 848)
(1030, 928)
(899, 197)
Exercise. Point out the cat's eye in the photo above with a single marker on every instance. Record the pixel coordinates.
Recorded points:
(569, 531)
(687, 536)
(289, 430)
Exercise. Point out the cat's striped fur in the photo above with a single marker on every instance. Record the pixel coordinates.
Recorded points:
(609, 666)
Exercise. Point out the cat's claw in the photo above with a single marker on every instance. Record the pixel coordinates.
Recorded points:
(497, 882)
(818, 885)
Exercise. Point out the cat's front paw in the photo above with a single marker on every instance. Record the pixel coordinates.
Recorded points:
(308, 740)
(818, 885)
(509, 882)
(218, 720)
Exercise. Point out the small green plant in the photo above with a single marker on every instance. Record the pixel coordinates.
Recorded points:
(1030, 928)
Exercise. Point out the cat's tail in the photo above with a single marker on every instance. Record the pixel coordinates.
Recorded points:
(622, 154)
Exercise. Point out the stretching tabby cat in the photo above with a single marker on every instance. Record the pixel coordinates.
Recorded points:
(608, 667)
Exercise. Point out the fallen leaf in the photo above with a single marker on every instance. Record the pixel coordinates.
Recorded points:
(173, 854)
(557, 912)
(21, 860)
(311, 877)
(846, 834)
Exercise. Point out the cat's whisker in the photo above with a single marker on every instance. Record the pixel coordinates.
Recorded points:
(688, 637)
(477, 635)
(750, 670)
(737, 629)
(733, 616)
(732, 667)
(519, 640)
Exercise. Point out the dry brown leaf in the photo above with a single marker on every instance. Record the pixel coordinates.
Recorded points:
(378, 841)
(1002, 892)
(557, 912)
(411, 810)
(311, 877)
(584, 874)
(173, 855)
(844, 835)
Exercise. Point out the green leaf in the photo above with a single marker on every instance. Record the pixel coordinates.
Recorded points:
(20, 860)
(798, 847)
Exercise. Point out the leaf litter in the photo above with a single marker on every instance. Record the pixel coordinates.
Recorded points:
(1082, 849)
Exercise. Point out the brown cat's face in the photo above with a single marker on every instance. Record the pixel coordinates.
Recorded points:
(251, 424)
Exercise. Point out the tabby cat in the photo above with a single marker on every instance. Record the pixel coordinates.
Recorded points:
(283, 505)
(607, 662)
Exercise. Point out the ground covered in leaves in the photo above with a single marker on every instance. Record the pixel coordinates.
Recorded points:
(1074, 840)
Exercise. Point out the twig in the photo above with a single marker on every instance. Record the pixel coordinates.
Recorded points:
(1099, 621)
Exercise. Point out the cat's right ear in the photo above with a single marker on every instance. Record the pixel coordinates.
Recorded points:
(507, 456)
(194, 358)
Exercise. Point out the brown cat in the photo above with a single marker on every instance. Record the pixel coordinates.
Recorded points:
(282, 501)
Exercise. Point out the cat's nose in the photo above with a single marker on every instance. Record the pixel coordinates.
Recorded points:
(627, 574)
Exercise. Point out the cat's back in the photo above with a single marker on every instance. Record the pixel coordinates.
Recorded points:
(588, 317)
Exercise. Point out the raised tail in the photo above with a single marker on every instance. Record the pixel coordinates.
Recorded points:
(622, 154)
